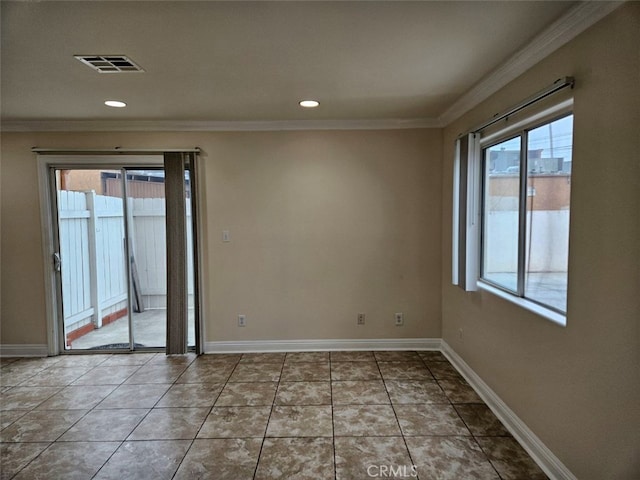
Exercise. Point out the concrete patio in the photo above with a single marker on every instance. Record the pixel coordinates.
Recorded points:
(149, 331)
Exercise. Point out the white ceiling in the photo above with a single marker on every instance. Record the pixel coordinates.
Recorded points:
(253, 61)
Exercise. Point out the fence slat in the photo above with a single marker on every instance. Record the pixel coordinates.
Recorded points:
(93, 259)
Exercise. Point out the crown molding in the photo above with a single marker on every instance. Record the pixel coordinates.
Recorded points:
(559, 33)
(214, 126)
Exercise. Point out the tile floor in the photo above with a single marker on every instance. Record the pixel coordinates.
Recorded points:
(315, 415)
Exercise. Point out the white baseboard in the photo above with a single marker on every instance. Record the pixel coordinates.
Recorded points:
(546, 460)
(320, 345)
(26, 350)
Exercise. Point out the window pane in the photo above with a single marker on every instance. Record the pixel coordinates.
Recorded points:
(191, 270)
(147, 230)
(500, 219)
(548, 191)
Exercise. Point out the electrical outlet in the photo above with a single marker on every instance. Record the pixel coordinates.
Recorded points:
(242, 320)
(399, 319)
(226, 236)
(361, 319)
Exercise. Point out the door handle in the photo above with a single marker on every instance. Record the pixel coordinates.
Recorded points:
(57, 262)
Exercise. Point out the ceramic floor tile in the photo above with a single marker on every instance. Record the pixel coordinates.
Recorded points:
(263, 358)
(117, 360)
(109, 375)
(450, 458)
(459, 391)
(481, 420)
(365, 420)
(26, 398)
(11, 377)
(256, 372)
(41, 426)
(23, 367)
(306, 357)
(154, 373)
(363, 457)
(239, 394)
(355, 371)
(206, 373)
(35, 363)
(300, 421)
(352, 357)
(69, 461)
(56, 376)
(430, 419)
(442, 370)
(220, 459)
(4, 361)
(77, 397)
(510, 460)
(369, 392)
(182, 360)
(299, 458)
(145, 460)
(432, 356)
(399, 356)
(310, 372)
(415, 391)
(303, 393)
(236, 422)
(134, 396)
(404, 371)
(15, 456)
(191, 395)
(105, 425)
(89, 360)
(170, 424)
(7, 417)
(218, 359)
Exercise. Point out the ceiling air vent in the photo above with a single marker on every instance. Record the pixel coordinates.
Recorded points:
(109, 63)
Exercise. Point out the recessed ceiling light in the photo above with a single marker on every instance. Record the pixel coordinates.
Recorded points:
(115, 103)
(309, 103)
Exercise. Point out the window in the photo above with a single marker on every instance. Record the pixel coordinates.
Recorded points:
(526, 183)
(511, 203)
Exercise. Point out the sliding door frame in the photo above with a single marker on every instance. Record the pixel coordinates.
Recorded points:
(48, 160)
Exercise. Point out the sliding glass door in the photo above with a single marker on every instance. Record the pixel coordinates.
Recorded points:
(111, 257)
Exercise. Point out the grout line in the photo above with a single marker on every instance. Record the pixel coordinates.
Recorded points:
(273, 404)
(193, 440)
(393, 408)
(333, 423)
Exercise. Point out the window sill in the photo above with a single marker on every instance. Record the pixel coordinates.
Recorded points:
(546, 313)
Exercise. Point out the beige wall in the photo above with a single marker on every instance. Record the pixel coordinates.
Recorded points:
(324, 225)
(577, 387)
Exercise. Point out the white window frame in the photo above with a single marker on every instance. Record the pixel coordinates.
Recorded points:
(467, 204)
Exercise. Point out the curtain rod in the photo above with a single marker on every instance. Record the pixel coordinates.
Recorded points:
(117, 150)
(553, 88)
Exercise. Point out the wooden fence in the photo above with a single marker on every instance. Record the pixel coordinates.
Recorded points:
(94, 273)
